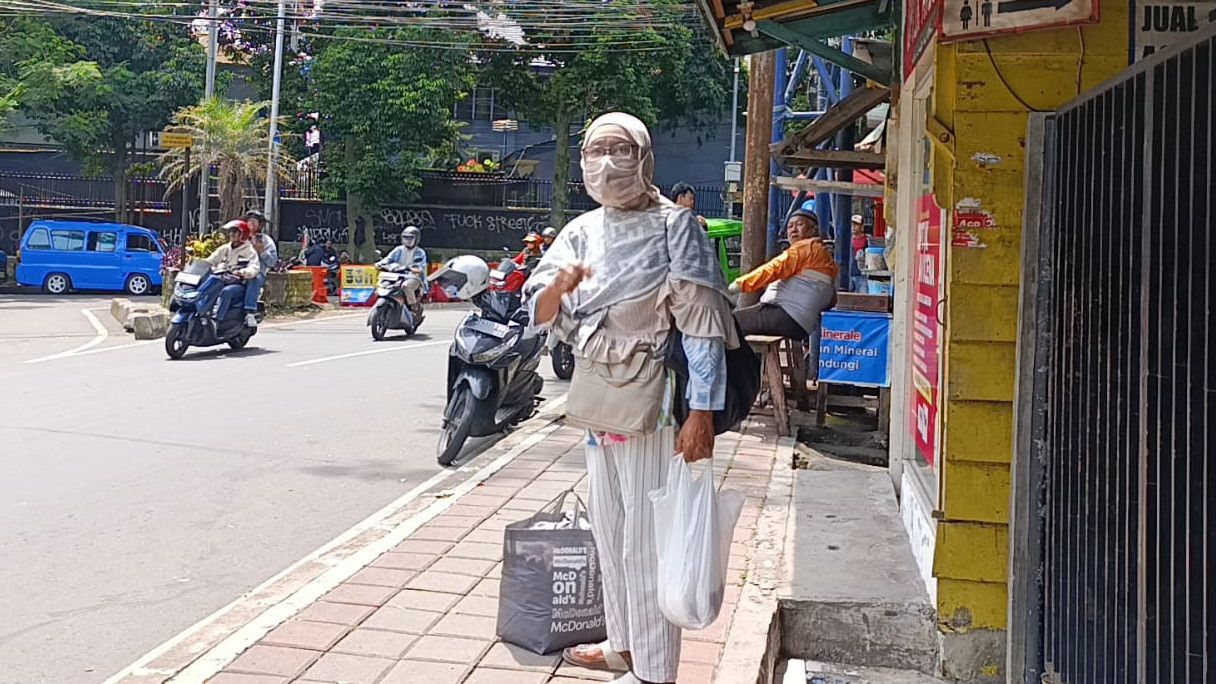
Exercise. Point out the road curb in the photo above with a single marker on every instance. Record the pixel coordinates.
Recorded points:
(202, 650)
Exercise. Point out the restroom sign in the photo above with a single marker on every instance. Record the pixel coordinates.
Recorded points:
(971, 19)
(1160, 25)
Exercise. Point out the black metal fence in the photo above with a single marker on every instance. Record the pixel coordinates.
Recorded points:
(37, 190)
(490, 190)
(1124, 444)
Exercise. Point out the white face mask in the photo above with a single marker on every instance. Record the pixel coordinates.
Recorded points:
(613, 181)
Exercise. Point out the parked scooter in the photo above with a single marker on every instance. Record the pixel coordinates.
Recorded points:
(333, 269)
(560, 354)
(189, 327)
(391, 311)
(562, 358)
(492, 365)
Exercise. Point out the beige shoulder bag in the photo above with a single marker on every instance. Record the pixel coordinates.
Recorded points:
(621, 398)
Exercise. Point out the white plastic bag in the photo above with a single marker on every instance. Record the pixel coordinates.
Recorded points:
(693, 528)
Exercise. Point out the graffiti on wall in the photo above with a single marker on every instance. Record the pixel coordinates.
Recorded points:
(476, 228)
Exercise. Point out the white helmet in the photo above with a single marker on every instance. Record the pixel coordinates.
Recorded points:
(464, 277)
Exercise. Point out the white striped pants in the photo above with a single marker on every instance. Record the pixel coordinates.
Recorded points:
(622, 520)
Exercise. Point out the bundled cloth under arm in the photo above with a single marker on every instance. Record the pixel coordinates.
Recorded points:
(636, 294)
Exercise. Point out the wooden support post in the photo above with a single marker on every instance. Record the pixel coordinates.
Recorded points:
(756, 174)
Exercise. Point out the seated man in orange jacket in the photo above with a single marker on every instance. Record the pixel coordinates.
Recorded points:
(798, 284)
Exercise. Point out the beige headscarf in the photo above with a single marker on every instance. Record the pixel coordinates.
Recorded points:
(617, 185)
(635, 243)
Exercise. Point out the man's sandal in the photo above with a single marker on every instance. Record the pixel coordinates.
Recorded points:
(596, 657)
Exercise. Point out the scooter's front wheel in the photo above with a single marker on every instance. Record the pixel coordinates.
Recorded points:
(175, 341)
(457, 424)
(380, 324)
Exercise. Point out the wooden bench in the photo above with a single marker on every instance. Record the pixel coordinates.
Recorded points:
(769, 349)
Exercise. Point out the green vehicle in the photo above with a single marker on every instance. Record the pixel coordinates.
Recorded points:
(727, 238)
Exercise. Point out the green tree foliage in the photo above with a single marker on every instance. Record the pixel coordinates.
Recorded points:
(665, 74)
(37, 63)
(385, 101)
(145, 71)
(385, 106)
(234, 137)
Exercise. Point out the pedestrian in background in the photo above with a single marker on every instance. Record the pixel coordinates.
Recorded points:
(614, 285)
(685, 196)
(798, 285)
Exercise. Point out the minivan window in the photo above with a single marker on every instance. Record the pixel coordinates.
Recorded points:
(39, 239)
(103, 242)
(140, 243)
(68, 240)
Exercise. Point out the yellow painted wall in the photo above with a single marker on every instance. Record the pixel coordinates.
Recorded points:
(971, 556)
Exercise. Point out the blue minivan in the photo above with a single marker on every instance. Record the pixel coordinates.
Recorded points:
(63, 255)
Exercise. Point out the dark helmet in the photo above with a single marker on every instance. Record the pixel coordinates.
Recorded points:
(254, 214)
(410, 236)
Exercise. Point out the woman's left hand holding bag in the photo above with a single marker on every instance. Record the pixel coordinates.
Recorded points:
(696, 438)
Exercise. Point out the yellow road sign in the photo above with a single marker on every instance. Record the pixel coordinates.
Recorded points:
(176, 140)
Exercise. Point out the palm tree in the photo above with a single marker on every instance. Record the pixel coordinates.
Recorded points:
(233, 137)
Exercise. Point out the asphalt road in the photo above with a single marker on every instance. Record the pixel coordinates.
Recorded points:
(138, 495)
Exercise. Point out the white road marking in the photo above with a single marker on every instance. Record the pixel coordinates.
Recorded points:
(367, 352)
(102, 334)
(282, 607)
(143, 343)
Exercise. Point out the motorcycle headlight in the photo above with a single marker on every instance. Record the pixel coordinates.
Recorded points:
(496, 351)
(466, 342)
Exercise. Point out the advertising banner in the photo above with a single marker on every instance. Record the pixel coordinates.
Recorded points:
(854, 348)
(357, 284)
(925, 346)
(1160, 25)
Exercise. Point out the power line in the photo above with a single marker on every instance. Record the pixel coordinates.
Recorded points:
(548, 25)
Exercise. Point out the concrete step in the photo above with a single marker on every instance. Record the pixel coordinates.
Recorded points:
(851, 591)
(813, 672)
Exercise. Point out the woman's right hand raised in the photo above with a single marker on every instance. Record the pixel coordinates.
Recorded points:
(569, 277)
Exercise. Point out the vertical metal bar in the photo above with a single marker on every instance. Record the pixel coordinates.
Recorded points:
(1146, 252)
(1036, 329)
(1206, 75)
(1197, 457)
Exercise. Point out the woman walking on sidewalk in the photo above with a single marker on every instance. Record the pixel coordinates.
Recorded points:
(614, 285)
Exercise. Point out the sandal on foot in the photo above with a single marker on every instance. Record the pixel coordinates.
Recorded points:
(596, 657)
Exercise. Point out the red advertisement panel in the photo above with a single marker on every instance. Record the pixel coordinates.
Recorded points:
(925, 347)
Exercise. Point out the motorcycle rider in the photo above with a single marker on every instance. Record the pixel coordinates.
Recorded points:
(534, 249)
(268, 256)
(238, 258)
(548, 236)
(410, 255)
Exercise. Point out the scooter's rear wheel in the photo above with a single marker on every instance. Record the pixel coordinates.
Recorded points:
(457, 424)
(238, 343)
(562, 357)
(175, 341)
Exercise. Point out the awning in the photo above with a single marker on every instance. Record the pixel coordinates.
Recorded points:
(744, 28)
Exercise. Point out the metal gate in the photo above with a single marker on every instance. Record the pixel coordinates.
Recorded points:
(1115, 468)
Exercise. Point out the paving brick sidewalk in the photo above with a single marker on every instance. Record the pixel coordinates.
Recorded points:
(425, 611)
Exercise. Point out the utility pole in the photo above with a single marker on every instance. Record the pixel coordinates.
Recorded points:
(269, 204)
(204, 181)
(756, 176)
